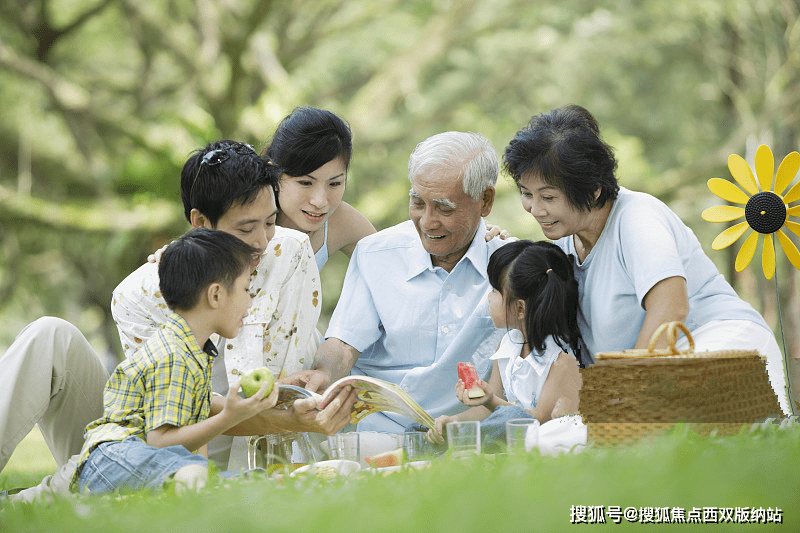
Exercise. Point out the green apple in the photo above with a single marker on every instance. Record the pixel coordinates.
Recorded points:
(252, 381)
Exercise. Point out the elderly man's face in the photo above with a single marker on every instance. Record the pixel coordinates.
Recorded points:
(445, 216)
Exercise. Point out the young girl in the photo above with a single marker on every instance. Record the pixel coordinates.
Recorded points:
(313, 149)
(535, 297)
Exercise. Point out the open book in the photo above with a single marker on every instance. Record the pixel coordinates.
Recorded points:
(374, 395)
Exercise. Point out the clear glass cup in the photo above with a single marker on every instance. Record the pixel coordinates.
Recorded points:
(517, 431)
(345, 446)
(277, 451)
(416, 445)
(464, 438)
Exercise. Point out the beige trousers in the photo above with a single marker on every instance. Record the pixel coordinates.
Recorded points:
(50, 376)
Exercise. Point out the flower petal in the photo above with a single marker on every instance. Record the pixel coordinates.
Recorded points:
(765, 167)
(789, 249)
(729, 236)
(741, 172)
(768, 257)
(793, 211)
(722, 213)
(793, 195)
(787, 171)
(746, 252)
(794, 227)
(727, 191)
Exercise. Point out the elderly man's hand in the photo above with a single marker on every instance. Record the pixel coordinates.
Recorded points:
(331, 419)
(313, 380)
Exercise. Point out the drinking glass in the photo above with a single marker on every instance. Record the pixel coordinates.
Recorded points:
(345, 446)
(416, 445)
(516, 431)
(464, 438)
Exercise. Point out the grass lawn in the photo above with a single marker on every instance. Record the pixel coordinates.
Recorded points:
(508, 493)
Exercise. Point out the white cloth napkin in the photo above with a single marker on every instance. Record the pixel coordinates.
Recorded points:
(559, 435)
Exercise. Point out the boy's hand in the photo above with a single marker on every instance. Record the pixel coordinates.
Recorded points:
(435, 434)
(240, 409)
(463, 394)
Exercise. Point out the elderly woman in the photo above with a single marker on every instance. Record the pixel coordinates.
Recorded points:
(637, 264)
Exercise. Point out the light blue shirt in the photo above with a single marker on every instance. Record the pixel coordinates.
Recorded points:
(642, 243)
(413, 322)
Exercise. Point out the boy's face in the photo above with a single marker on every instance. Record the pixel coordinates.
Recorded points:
(235, 306)
(253, 223)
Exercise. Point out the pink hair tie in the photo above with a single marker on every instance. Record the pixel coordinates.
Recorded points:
(549, 270)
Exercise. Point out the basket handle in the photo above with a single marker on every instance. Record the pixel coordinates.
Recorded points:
(671, 329)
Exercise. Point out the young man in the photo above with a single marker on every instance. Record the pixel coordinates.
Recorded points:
(227, 186)
(157, 401)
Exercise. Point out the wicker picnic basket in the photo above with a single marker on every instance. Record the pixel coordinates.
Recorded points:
(632, 394)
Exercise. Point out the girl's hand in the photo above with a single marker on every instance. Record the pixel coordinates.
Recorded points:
(435, 434)
(240, 409)
(463, 394)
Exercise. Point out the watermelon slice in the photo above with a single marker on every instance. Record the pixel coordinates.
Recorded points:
(468, 374)
(390, 458)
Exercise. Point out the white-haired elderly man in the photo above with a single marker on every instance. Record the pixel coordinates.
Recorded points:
(414, 300)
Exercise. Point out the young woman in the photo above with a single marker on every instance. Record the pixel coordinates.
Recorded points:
(313, 148)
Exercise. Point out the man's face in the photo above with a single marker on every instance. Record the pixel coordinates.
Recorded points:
(445, 216)
(253, 223)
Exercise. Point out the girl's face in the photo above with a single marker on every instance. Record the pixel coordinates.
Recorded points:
(550, 207)
(502, 315)
(308, 201)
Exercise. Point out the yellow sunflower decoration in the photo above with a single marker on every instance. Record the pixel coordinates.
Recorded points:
(766, 211)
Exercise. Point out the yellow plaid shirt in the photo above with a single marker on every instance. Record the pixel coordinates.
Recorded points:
(167, 381)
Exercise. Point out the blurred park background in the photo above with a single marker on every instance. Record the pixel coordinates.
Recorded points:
(103, 100)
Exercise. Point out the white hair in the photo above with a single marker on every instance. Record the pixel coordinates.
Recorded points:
(470, 155)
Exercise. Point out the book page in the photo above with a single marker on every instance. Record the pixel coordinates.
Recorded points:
(375, 395)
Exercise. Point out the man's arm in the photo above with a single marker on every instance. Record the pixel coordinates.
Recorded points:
(334, 360)
(302, 416)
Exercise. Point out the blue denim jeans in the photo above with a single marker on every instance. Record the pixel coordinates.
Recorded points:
(133, 464)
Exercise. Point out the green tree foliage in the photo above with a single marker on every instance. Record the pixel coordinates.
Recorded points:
(103, 101)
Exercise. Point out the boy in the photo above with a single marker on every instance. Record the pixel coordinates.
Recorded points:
(157, 402)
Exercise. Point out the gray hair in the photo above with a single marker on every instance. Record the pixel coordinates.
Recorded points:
(470, 155)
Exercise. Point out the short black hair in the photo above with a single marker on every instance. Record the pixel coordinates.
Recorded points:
(542, 275)
(196, 260)
(308, 138)
(563, 147)
(222, 174)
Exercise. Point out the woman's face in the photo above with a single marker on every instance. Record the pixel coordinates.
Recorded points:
(308, 201)
(550, 207)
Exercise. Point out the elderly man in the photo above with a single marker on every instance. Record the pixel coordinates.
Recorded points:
(414, 300)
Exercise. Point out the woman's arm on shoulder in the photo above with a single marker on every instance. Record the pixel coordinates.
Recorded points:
(563, 383)
(667, 301)
(346, 227)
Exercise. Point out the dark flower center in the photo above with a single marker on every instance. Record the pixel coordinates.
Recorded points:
(765, 212)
